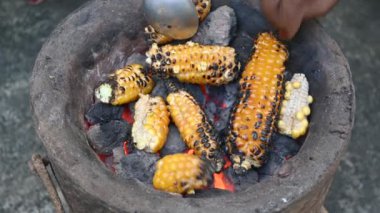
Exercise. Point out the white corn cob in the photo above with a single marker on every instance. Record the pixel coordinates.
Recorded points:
(295, 107)
(151, 126)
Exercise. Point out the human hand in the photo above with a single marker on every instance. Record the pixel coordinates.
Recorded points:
(287, 15)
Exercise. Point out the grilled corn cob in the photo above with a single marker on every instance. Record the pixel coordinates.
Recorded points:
(194, 63)
(182, 173)
(151, 125)
(253, 117)
(194, 127)
(124, 85)
(202, 7)
(295, 108)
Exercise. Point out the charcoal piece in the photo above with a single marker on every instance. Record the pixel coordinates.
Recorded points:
(160, 88)
(103, 113)
(118, 154)
(232, 90)
(139, 165)
(223, 118)
(207, 193)
(174, 143)
(137, 58)
(211, 110)
(284, 146)
(272, 165)
(196, 92)
(242, 182)
(218, 28)
(243, 45)
(104, 137)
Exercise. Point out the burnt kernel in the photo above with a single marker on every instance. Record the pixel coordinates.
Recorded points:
(259, 115)
(202, 135)
(279, 77)
(230, 65)
(174, 61)
(215, 66)
(158, 56)
(254, 135)
(167, 53)
(257, 151)
(122, 89)
(263, 139)
(257, 124)
(207, 145)
(196, 143)
(224, 58)
(204, 140)
(204, 5)
(183, 184)
(273, 104)
(211, 155)
(200, 130)
(204, 154)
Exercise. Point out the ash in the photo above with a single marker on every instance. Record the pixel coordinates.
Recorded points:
(242, 182)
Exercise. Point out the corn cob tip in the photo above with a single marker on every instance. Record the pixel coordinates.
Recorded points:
(104, 93)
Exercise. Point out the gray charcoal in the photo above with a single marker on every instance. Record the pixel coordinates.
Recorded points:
(210, 110)
(232, 90)
(272, 165)
(103, 113)
(207, 193)
(196, 91)
(137, 58)
(241, 182)
(218, 28)
(284, 146)
(118, 154)
(104, 137)
(174, 143)
(243, 45)
(139, 165)
(223, 119)
(160, 88)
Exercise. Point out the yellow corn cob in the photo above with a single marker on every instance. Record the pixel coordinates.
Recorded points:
(194, 127)
(182, 173)
(253, 117)
(124, 85)
(194, 63)
(202, 7)
(151, 126)
(295, 108)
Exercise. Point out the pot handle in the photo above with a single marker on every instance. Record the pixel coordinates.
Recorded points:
(38, 165)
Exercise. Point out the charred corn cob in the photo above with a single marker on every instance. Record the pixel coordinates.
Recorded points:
(254, 115)
(194, 63)
(124, 85)
(194, 127)
(182, 173)
(295, 108)
(151, 126)
(202, 7)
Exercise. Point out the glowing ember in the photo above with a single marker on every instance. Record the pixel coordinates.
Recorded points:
(190, 152)
(222, 182)
(204, 92)
(127, 115)
(103, 157)
(125, 147)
